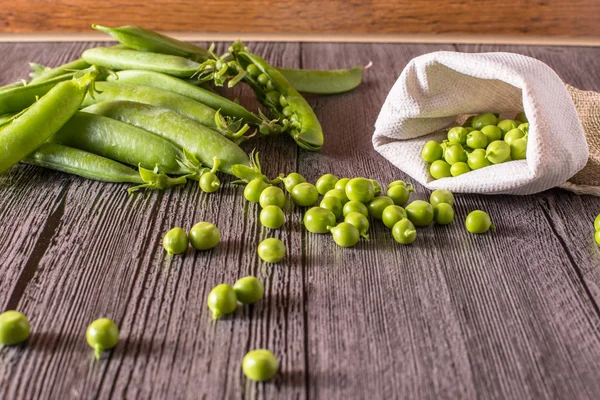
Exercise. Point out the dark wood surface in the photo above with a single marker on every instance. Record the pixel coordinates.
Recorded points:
(506, 315)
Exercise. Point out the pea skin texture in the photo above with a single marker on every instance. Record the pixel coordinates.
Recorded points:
(477, 159)
(326, 183)
(249, 290)
(355, 206)
(102, 334)
(318, 219)
(458, 134)
(441, 196)
(341, 184)
(377, 205)
(513, 135)
(292, 180)
(260, 365)
(272, 196)
(254, 189)
(209, 182)
(492, 133)
(399, 194)
(455, 153)
(222, 300)
(483, 120)
(345, 234)
(432, 151)
(360, 189)
(334, 205)
(360, 222)
(14, 328)
(271, 250)
(175, 241)
(420, 213)
(440, 169)
(404, 232)
(339, 193)
(304, 194)
(518, 149)
(497, 152)
(507, 125)
(392, 214)
(443, 214)
(204, 236)
(272, 217)
(477, 140)
(479, 222)
(459, 169)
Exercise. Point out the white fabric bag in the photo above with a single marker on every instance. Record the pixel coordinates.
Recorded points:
(436, 88)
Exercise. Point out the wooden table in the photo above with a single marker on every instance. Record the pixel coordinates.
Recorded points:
(506, 315)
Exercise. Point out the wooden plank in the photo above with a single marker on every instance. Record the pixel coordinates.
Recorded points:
(576, 18)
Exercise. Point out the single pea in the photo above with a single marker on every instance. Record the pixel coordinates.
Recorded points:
(272, 217)
(287, 111)
(259, 365)
(204, 236)
(483, 120)
(345, 234)
(318, 219)
(443, 214)
(254, 188)
(458, 134)
(597, 223)
(399, 194)
(492, 133)
(272, 196)
(513, 135)
(283, 101)
(326, 183)
(292, 180)
(392, 214)
(272, 96)
(271, 250)
(440, 169)
(339, 193)
(209, 182)
(262, 79)
(305, 194)
(524, 127)
(376, 187)
(409, 186)
(102, 334)
(521, 117)
(431, 151)
(360, 189)
(477, 159)
(479, 222)
(597, 237)
(14, 328)
(518, 149)
(459, 168)
(497, 152)
(253, 70)
(334, 205)
(439, 196)
(420, 213)
(404, 231)
(360, 222)
(355, 206)
(175, 241)
(248, 290)
(377, 205)
(507, 125)
(341, 184)
(454, 153)
(477, 140)
(222, 300)
(468, 122)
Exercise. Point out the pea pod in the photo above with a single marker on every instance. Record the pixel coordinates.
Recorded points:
(13, 85)
(142, 39)
(121, 142)
(44, 118)
(204, 143)
(49, 73)
(19, 98)
(323, 82)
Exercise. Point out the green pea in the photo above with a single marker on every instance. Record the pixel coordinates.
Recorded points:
(597, 237)
(271, 250)
(492, 133)
(518, 149)
(420, 213)
(272, 217)
(404, 231)
(334, 205)
(287, 111)
(260, 365)
(440, 169)
(318, 219)
(254, 188)
(326, 183)
(272, 196)
(597, 223)
(253, 70)
(497, 152)
(409, 186)
(377, 205)
(459, 168)
(304, 194)
(393, 214)
(204, 236)
(175, 241)
(458, 134)
(248, 290)
(441, 196)
(262, 79)
(521, 117)
(102, 334)
(292, 180)
(14, 328)
(431, 151)
(507, 125)
(222, 300)
(345, 234)
(376, 187)
(360, 189)
(443, 214)
(477, 159)
(283, 101)
(513, 135)
(454, 153)
(399, 194)
(524, 127)
(339, 193)
(477, 140)
(341, 183)
(355, 206)
(479, 222)
(483, 120)
(209, 182)
(360, 222)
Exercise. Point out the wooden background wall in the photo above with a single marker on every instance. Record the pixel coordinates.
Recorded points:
(528, 18)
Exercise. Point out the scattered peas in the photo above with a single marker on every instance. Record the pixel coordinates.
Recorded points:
(339, 193)
(345, 234)
(441, 196)
(254, 189)
(399, 194)
(102, 334)
(304, 194)
(292, 180)
(209, 182)
(360, 189)
(479, 222)
(360, 222)
(341, 184)
(204, 236)
(334, 205)
(260, 365)
(443, 213)
(272, 196)
(318, 219)
(249, 290)
(377, 205)
(14, 328)
(420, 213)
(272, 217)
(404, 232)
(175, 241)
(222, 300)
(392, 214)
(355, 206)
(326, 183)
(271, 250)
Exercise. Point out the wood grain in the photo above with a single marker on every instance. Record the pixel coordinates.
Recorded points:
(576, 18)
(511, 314)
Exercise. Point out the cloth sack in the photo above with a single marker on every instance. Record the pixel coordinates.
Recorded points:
(437, 90)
